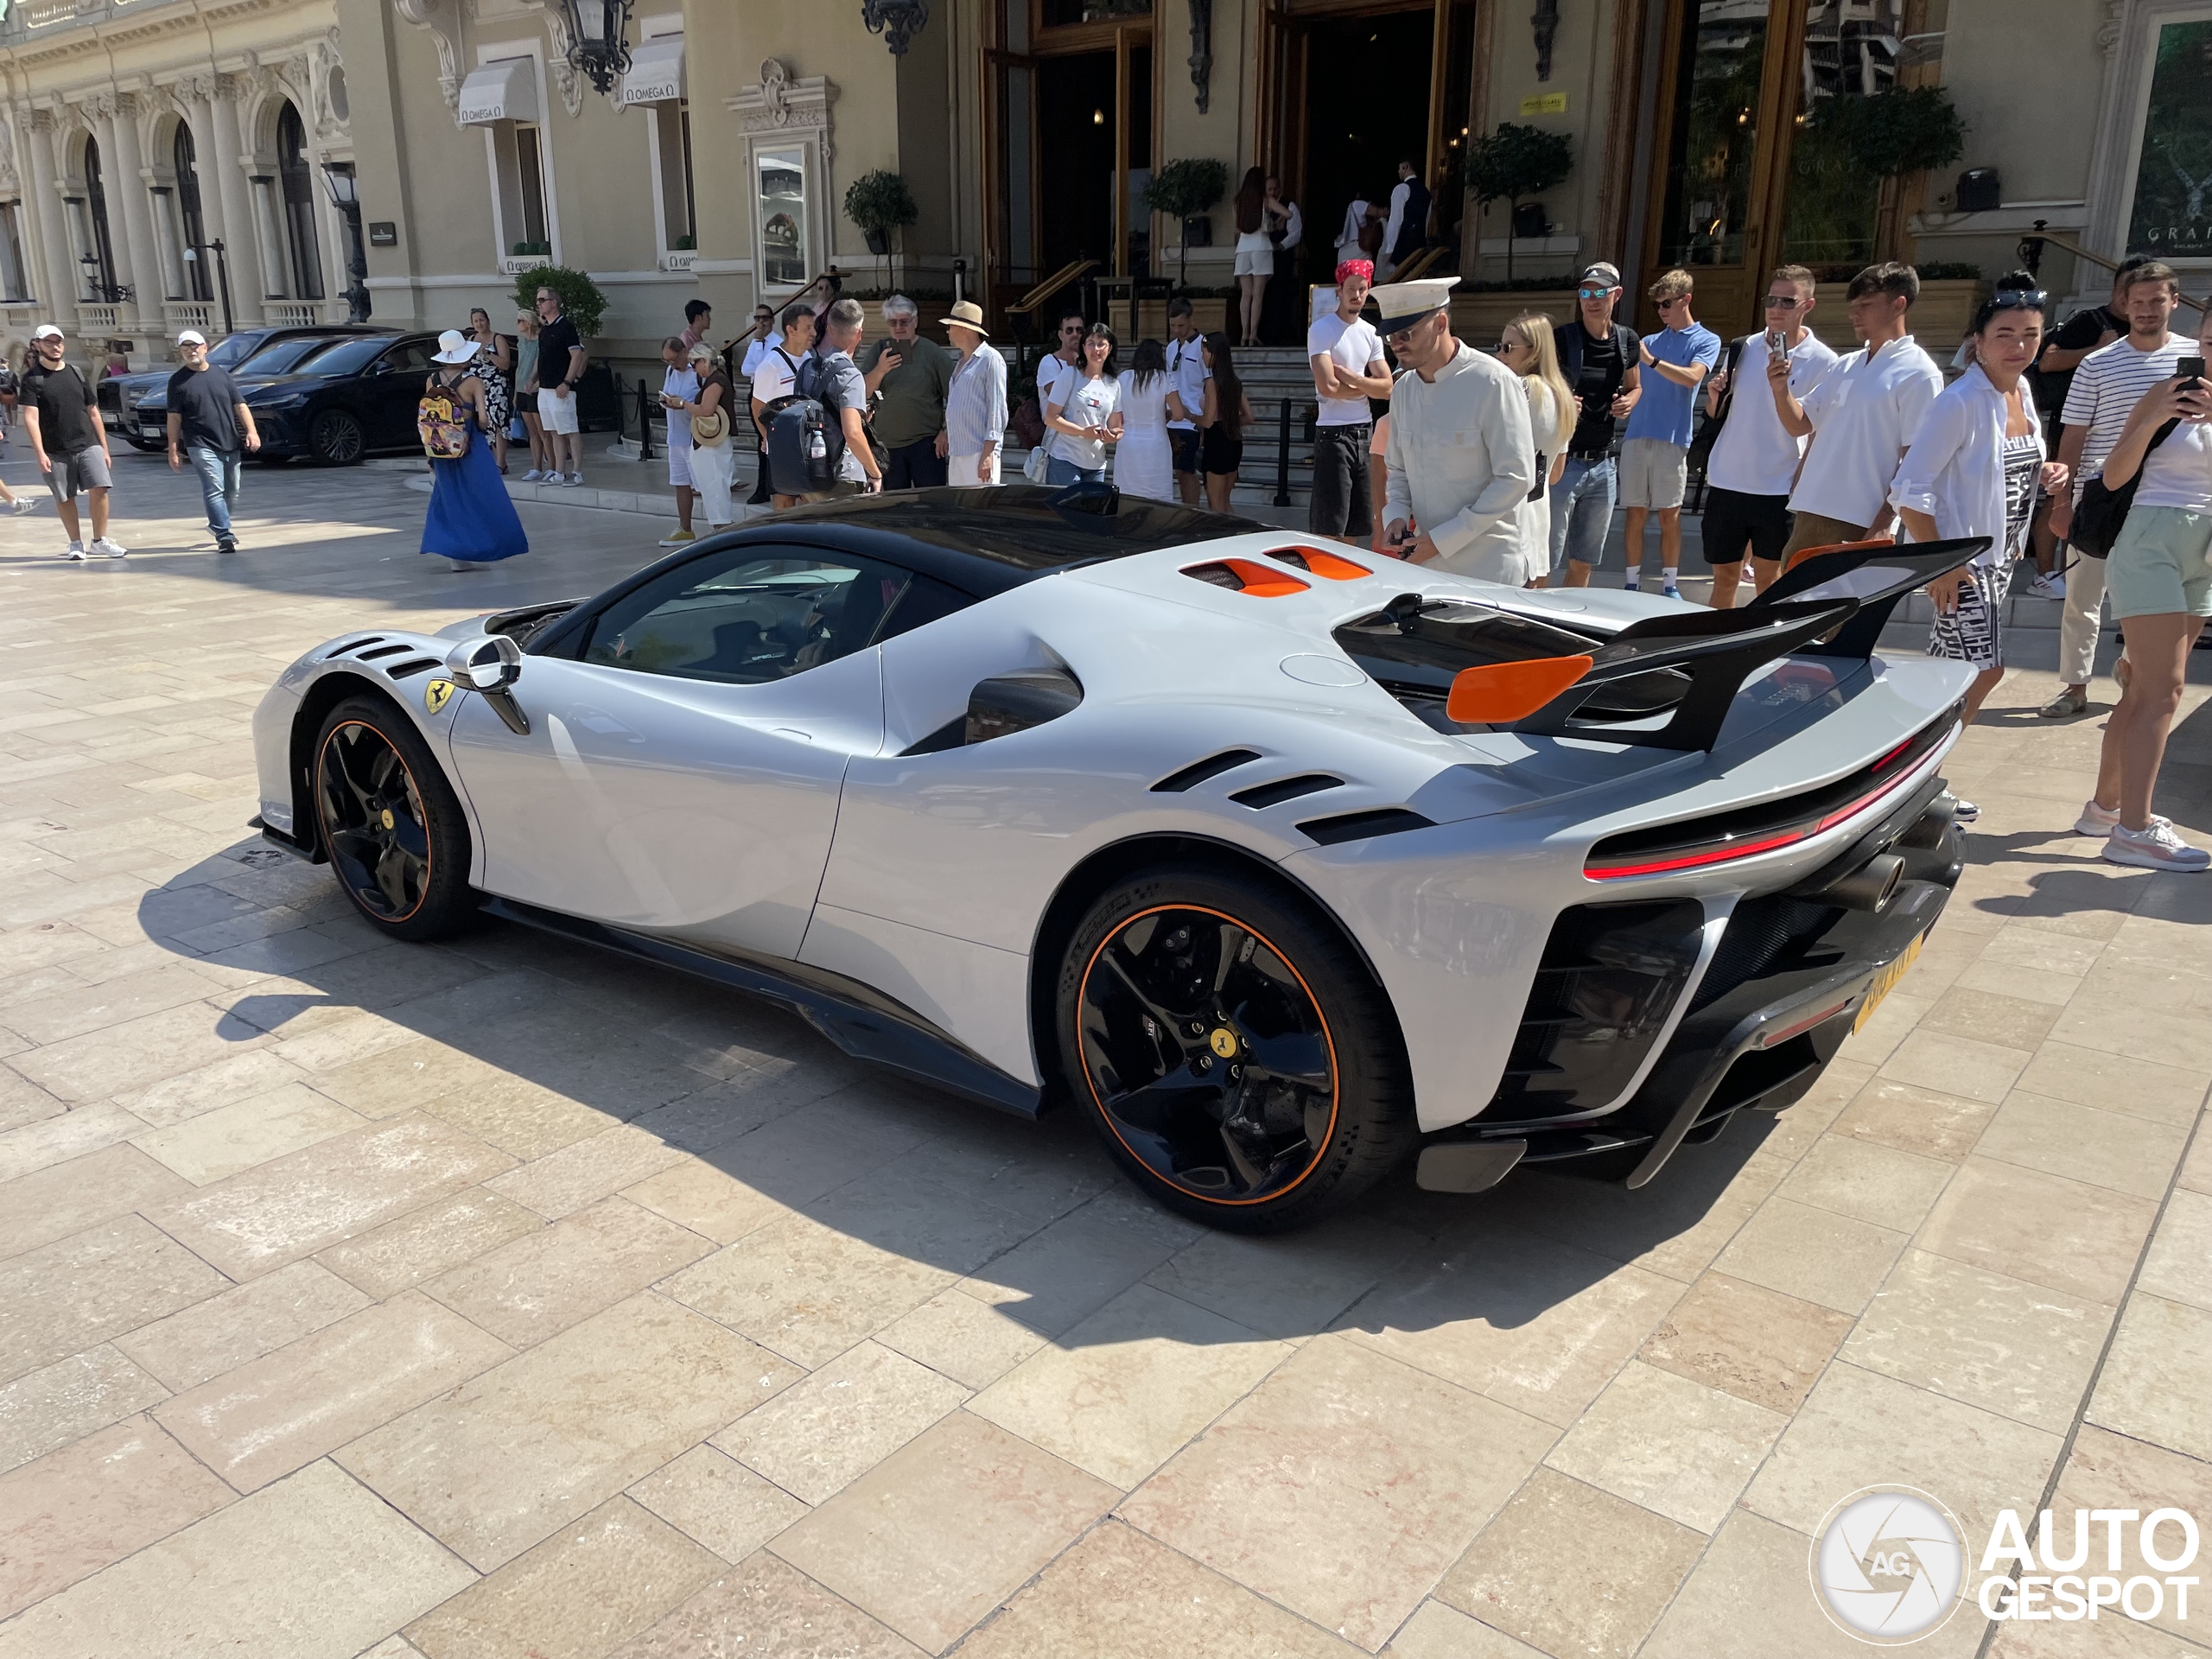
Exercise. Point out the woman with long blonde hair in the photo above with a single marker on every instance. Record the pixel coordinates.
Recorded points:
(1528, 348)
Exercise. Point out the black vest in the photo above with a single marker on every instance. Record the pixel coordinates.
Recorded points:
(1412, 228)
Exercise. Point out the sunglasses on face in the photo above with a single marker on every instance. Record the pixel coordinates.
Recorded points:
(1782, 302)
(1593, 293)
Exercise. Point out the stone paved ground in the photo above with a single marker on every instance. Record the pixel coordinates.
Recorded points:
(499, 1300)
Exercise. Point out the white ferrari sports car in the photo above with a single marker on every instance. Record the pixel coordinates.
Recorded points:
(1283, 861)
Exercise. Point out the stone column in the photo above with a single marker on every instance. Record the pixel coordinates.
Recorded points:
(225, 162)
(148, 283)
(272, 238)
(58, 260)
(169, 239)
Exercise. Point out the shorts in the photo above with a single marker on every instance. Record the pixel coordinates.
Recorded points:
(969, 471)
(679, 463)
(1185, 442)
(86, 469)
(1653, 473)
(1223, 454)
(1255, 262)
(556, 414)
(1975, 633)
(1732, 518)
(2158, 566)
(1809, 530)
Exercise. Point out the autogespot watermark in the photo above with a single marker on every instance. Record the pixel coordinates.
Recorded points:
(1890, 1566)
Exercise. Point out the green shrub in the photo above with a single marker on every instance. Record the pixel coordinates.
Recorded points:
(580, 296)
(879, 202)
(1513, 162)
(1905, 129)
(1182, 190)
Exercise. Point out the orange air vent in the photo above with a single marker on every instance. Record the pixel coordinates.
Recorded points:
(1246, 576)
(1498, 693)
(1805, 553)
(1314, 562)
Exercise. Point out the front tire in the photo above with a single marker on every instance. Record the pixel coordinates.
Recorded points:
(337, 438)
(391, 824)
(1233, 1052)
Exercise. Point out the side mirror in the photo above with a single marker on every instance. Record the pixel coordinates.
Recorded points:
(491, 664)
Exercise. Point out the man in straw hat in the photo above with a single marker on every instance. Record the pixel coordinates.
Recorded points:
(1460, 458)
(974, 402)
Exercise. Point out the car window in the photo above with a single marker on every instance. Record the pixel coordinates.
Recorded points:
(923, 601)
(747, 615)
(342, 356)
(412, 358)
(232, 350)
(282, 357)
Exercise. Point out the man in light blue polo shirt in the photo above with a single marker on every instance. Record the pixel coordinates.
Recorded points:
(1655, 451)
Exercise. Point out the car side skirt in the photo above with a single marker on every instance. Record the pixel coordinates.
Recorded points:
(858, 1019)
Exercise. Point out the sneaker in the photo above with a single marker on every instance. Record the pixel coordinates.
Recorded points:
(1631, 586)
(227, 545)
(113, 550)
(2156, 847)
(1670, 592)
(575, 478)
(532, 476)
(75, 550)
(2052, 586)
(1964, 813)
(26, 504)
(2098, 822)
(2071, 700)
(679, 538)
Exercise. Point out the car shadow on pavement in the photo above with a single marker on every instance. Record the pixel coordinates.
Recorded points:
(842, 1196)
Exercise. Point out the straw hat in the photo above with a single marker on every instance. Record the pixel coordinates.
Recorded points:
(967, 315)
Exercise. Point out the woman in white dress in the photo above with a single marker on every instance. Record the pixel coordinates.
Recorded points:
(1527, 347)
(1144, 461)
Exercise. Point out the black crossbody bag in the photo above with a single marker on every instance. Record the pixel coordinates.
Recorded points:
(1709, 430)
(2101, 513)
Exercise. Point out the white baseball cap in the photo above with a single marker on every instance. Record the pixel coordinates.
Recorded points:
(46, 331)
(192, 337)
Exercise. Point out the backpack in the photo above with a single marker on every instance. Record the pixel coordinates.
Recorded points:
(1708, 428)
(806, 439)
(441, 420)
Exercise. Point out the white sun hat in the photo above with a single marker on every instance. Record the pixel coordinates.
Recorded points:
(454, 346)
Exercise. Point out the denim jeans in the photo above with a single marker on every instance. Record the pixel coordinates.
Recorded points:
(1059, 472)
(1582, 512)
(219, 484)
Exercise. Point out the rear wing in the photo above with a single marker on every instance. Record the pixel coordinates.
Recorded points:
(1875, 574)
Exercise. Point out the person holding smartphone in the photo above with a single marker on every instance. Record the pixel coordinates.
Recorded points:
(678, 387)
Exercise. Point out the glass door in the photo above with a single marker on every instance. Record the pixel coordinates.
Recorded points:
(1833, 219)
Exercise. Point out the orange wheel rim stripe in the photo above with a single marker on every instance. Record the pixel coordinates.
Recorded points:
(430, 853)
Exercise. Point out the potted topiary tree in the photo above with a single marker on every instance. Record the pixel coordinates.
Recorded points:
(1183, 191)
(1513, 162)
(580, 298)
(880, 203)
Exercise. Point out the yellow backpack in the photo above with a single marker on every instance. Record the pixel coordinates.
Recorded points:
(441, 419)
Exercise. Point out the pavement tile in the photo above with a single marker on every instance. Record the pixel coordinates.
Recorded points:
(1915, 1119)
(56, 1140)
(273, 1414)
(719, 1502)
(563, 1182)
(2122, 1152)
(2082, 1240)
(697, 1195)
(519, 1117)
(2116, 1083)
(510, 1457)
(1896, 1018)
(426, 1242)
(1290, 1286)
(1118, 1594)
(65, 1198)
(82, 1290)
(409, 1077)
(598, 1581)
(1121, 1392)
(1075, 1266)
(2009, 1022)
(1569, 1569)
(1343, 1486)
(240, 1325)
(2157, 1382)
(62, 1014)
(1955, 1065)
(72, 1512)
(2110, 1638)
(1436, 1631)
(945, 1529)
(1867, 1181)
(766, 1607)
(1536, 1325)
(1677, 1447)
(2120, 1026)
(1860, 1429)
(68, 1399)
(23, 1101)
(973, 1342)
(825, 1431)
(942, 1223)
(2179, 1265)
(229, 1139)
(1982, 1337)
(1674, 1226)
(241, 1077)
(138, 1053)
(1816, 1255)
(1746, 1340)
(2105, 1470)
(523, 1291)
(314, 1567)
(309, 1200)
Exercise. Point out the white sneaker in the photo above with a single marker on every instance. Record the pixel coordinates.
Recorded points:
(575, 478)
(532, 476)
(75, 550)
(26, 504)
(2156, 848)
(1964, 813)
(113, 550)
(2048, 586)
(2098, 820)
(679, 538)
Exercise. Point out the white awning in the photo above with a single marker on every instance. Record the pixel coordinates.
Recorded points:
(656, 74)
(506, 90)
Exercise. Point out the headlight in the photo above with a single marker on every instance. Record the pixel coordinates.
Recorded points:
(130, 399)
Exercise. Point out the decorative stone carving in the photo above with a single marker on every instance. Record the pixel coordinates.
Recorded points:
(1202, 51)
(443, 19)
(564, 72)
(98, 106)
(43, 121)
(325, 97)
(12, 182)
(185, 88)
(2108, 32)
(781, 104)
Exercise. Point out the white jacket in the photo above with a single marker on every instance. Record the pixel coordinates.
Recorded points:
(1954, 471)
(1460, 462)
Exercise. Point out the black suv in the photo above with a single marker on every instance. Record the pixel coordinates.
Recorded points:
(120, 395)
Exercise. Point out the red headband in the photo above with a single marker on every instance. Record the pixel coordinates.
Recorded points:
(1363, 269)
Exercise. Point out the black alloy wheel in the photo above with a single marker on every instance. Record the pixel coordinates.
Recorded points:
(391, 823)
(1238, 1060)
(337, 438)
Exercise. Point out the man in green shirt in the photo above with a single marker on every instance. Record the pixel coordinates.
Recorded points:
(908, 378)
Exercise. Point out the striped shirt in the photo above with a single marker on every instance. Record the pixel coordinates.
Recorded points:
(2107, 386)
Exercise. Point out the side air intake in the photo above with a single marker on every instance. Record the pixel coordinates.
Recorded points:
(1199, 771)
(1364, 826)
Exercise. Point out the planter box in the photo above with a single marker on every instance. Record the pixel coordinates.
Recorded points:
(1479, 318)
(1938, 318)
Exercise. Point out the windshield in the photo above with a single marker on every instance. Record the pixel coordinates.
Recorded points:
(280, 358)
(231, 351)
(345, 357)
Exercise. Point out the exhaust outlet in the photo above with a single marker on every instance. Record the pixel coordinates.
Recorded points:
(1927, 830)
(1871, 886)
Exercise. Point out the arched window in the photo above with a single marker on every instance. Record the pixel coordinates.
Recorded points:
(292, 174)
(101, 272)
(192, 226)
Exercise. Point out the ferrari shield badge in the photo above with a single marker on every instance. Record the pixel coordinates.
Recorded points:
(436, 693)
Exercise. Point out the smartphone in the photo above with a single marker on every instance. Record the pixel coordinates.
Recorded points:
(2191, 369)
(1777, 344)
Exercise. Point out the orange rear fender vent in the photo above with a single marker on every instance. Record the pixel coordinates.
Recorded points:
(1498, 693)
(1246, 576)
(1315, 563)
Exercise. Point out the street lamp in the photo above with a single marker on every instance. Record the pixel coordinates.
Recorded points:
(897, 21)
(95, 280)
(222, 274)
(598, 47)
(345, 187)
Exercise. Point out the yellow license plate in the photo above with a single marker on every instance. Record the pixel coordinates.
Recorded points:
(1886, 980)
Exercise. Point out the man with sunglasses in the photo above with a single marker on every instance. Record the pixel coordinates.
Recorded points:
(1460, 458)
(561, 359)
(1600, 360)
(763, 338)
(1655, 453)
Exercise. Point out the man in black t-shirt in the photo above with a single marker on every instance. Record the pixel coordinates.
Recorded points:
(1600, 360)
(210, 422)
(2084, 331)
(69, 439)
(561, 359)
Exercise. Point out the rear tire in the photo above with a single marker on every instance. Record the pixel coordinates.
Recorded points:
(337, 438)
(1234, 1054)
(391, 824)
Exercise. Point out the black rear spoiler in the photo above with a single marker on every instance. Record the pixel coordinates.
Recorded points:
(1834, 604)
